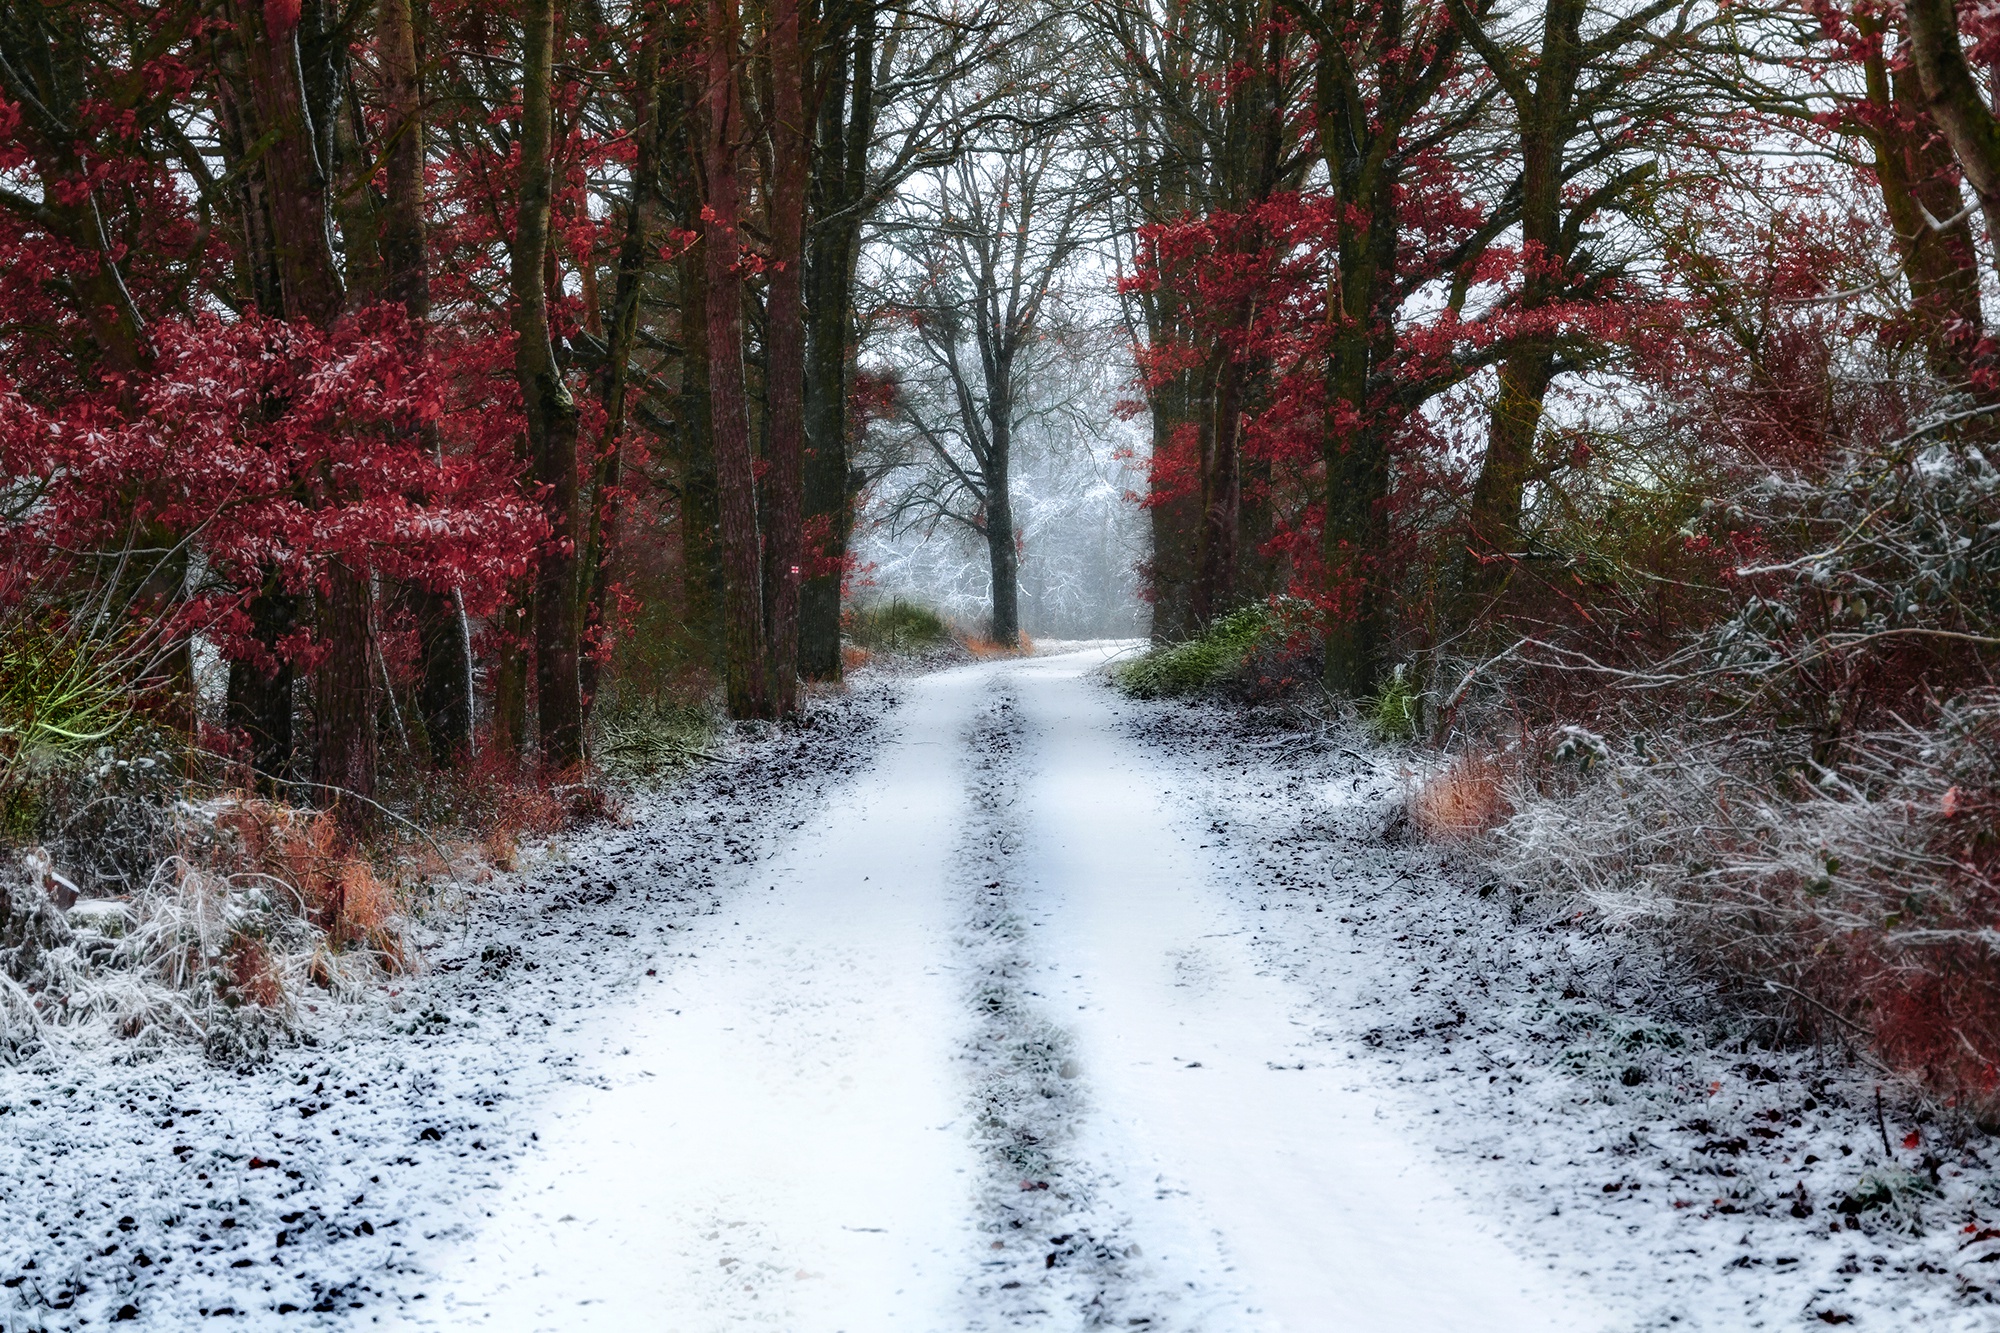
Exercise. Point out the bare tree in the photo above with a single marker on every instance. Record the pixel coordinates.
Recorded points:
(979, 253)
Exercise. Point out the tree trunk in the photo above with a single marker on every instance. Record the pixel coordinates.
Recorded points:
(1957, 104)
(1494, 518)
(1005, 561)
(826, 493)
(550, 411)
(510, 675)
(344, 699)
(444, 655)
(1003, 554)
(1221, 493)
(1357, 483)
(1917, 177)
(747, 690)
(839, 184)
(295, 168)
(601, 547)
(1356, 458)
(1219, 545)
(1175, 519)
(1494, 538)
(701, 531)
(784, 376)
(260, 701)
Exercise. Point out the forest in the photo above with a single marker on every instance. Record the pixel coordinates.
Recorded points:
(413, 410)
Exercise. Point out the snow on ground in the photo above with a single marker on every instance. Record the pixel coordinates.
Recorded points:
(162, 1189)
(1014, 1006)
(1577, 1088)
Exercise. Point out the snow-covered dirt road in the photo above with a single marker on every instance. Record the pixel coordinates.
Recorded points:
(788, 1137)
(993, 1001)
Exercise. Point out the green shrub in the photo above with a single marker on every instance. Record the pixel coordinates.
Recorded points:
(895, 627)
(1202, 663)
(1392, 714)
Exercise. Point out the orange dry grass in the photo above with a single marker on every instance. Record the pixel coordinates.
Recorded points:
(517, 812)
(251, 975)
(984, 648)
(853, 656)
(337, 889)
(1463, 801)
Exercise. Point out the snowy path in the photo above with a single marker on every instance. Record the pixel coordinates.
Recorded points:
(1313, 1191)
(779, 1143)
(784, 1130)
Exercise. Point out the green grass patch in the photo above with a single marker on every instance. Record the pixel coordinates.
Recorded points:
(1202, 663)
(895, 627)
(1392, 713)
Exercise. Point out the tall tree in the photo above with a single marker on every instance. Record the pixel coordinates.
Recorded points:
(550, 411)
(296, 133)
(784, 325)
(1576, 70)
(889, 95)
(748, 687)
(444, 693)
(1186, 151)
(1377, 69)
(986, 244)
(658, 30)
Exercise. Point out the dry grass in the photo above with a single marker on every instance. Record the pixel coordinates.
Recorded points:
(1464, 800)
(986, 649)
(336, 888)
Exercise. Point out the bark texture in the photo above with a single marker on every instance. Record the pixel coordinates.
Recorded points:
(844, 128)
(784, 380)
(746, 688)
(551, 412)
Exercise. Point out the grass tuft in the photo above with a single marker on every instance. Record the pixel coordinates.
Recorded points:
(1202, 663)
(1392, 714)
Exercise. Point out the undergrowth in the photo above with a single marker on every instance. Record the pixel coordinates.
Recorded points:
(143, 898)
(895, 626)
(652, 738)
(1216, 657)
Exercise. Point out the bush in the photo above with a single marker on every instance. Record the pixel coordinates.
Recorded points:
(1219, 656)
(650, 738)
(895, 627)
(1852, 903)
(1392, 715)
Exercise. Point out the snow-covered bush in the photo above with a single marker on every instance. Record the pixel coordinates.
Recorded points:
(1256, 649)
(260, 907)
(1748, 689)
(1859, 901)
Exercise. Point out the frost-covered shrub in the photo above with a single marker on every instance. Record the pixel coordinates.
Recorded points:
(260, 905)
(1860, 901)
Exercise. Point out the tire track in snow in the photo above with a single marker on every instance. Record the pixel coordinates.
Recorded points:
(1055, 1256)
(1066, 1208)
(1287, 1193)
